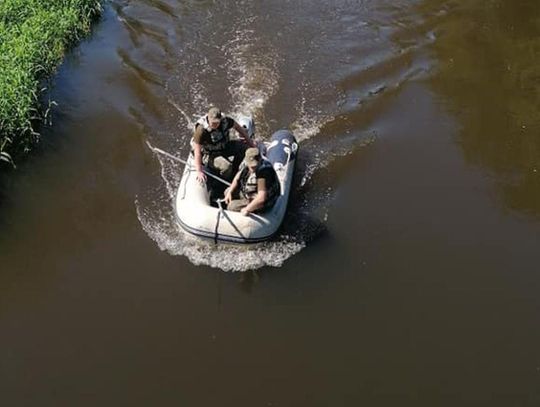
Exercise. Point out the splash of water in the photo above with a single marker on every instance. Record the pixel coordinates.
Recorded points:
(172, 239)
(253, 80)
(250, 70)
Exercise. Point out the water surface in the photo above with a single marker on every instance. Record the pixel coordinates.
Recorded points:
(407, 271)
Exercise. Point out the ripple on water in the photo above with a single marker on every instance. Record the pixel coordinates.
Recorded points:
(172, 239)
(253, 81)
(248, 70)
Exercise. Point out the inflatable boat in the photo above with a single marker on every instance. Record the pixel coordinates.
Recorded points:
(197, 215)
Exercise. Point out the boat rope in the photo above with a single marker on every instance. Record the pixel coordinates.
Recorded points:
(219, 215)
(172, 157)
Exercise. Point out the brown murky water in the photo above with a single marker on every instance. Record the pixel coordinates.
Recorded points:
(408, 269)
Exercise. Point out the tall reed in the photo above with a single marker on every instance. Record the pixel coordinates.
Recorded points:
(34, 34)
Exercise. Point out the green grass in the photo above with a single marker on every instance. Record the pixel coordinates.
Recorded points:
(34, 35)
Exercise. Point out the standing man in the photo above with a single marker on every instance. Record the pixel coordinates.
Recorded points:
(211, 140)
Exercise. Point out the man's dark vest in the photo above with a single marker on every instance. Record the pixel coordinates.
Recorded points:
(218, 138)
(248, 183)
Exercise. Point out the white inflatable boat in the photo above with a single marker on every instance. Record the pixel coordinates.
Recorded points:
(197, 216)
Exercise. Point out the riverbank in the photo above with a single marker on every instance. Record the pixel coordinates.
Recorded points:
(34, 35)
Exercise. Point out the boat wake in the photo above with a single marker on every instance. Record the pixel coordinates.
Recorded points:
(253, 81)
(330, 108)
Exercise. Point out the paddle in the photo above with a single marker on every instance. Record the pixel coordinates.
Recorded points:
(172, 157)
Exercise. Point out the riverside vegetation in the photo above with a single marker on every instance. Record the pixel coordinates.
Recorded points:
(34, 35)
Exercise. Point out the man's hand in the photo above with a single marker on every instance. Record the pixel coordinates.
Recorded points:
(197, 152)
(228, 196)
(201, 176)
(244, 134)
(244, 212)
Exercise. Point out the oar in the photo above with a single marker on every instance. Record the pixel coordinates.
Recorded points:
(172, 157)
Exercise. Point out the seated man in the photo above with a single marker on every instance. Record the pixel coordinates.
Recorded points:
(212, 145)
(255, 187)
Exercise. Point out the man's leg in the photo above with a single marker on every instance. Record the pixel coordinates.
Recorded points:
(236, 148)
(223, 167)
(236, 205)
(215, 187)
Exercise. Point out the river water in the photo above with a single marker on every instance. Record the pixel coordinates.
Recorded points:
(407, 272)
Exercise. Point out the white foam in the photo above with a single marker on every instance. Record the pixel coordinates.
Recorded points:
(164, 230)
(253, 77)
(253, 82)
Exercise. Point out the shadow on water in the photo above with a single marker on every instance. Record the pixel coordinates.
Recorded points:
(489, 76)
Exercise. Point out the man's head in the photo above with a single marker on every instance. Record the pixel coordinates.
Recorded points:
(252, 158)
(214, 117)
